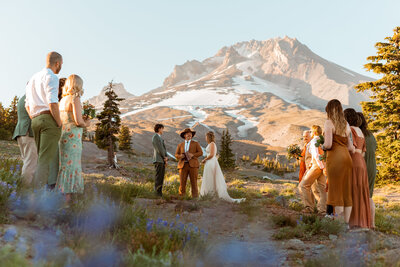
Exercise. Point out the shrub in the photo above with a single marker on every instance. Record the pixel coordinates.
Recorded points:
(283, 220)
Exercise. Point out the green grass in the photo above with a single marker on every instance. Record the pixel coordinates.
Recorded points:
(9, 149)
(283, 220)
(269, 191)
(387, 219)
(10, 258)
(307, 227)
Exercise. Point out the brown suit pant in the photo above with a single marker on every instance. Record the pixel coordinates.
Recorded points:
(183, 175)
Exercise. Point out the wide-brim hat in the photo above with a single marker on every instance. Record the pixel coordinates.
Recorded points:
(187, 130)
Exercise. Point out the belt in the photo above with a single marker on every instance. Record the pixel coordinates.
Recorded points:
(41, 113)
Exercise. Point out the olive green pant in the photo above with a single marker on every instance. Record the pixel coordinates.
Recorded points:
(47, 134)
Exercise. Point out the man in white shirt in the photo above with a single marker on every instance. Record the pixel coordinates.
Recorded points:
(42, 105)
(313, 175)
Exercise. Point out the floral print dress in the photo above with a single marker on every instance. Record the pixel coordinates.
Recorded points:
(70, 178)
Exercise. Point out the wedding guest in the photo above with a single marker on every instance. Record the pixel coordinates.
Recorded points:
(41, 104)
(361, 212)
(61, 83)
(160, 158)
(24, 135)
(339, 166)
(370, 160)
(306, 139)
(314, 176)
(70, 178)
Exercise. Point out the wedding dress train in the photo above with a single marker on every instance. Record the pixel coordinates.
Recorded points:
(213, 179)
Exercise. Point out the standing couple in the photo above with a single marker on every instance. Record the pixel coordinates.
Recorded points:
(59, 149)
(187, 154)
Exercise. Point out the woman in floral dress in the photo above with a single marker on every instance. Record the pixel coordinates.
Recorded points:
(70, 179)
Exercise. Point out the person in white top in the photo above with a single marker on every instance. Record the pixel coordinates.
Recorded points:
(42, 106)
(313, 175)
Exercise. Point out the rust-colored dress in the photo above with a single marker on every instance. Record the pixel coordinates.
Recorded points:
(361, 212)
(302, 164)
(339, 168)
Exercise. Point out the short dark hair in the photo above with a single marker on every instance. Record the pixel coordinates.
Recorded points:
(352, 117)
(157, 127)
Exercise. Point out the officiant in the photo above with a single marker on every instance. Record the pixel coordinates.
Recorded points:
(188, 153)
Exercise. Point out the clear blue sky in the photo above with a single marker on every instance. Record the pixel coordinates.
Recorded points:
(139, 42)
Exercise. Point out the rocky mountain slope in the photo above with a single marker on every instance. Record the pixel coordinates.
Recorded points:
(120, 90)
(267, 92)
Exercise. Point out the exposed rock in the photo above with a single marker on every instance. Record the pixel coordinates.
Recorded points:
(295, 244)
(333, 237)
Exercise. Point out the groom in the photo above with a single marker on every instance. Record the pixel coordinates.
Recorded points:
(187, 153)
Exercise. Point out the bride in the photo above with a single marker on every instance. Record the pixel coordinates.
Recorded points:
(213, 178)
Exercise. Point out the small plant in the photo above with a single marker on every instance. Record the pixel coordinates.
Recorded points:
(283, 220)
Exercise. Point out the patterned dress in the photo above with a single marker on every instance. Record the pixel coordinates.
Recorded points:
(70, 178)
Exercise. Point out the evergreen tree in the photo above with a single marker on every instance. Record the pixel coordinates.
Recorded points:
(125, 138)
(226, 157)
(383, 113)
(12, 119)
(110, 121)
(4, 133)
(8, 119)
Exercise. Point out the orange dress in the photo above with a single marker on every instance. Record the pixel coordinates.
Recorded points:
(339, 168)
(361, 212)
(302, 164)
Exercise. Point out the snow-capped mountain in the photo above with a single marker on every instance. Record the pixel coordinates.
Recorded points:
(119, 89)
(264, 91)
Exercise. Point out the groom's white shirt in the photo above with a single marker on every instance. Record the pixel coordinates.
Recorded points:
(187, 145)
(41, 91)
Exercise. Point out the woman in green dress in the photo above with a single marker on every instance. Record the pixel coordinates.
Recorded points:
(370, 160)
(70, 178)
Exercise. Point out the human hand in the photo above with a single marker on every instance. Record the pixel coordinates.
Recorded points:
(325, 172)
(203, 161)
(87, 123)
(190, 154)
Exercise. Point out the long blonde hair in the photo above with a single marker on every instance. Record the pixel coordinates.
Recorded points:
(335, 113)
(73, 86)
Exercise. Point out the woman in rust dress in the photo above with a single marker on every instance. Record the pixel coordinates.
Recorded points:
(361, 212)
(339, 166)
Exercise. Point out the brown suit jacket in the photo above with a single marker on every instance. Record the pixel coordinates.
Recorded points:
(194, 148)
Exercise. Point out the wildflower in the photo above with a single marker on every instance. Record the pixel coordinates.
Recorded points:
(165, 223)
(171, 225)
(177, 217)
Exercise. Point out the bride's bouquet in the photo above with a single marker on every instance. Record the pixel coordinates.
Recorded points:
(88, 110)
(319, 143)
(293, 151)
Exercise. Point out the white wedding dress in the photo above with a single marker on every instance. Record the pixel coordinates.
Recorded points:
(213, 179)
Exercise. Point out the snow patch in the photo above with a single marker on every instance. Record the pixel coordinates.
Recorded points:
(348, 72)
(248, 122)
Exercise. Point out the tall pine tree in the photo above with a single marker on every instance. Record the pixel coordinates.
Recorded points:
(383, 113)
(110, 122)
(226, 157)
(125, 142)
